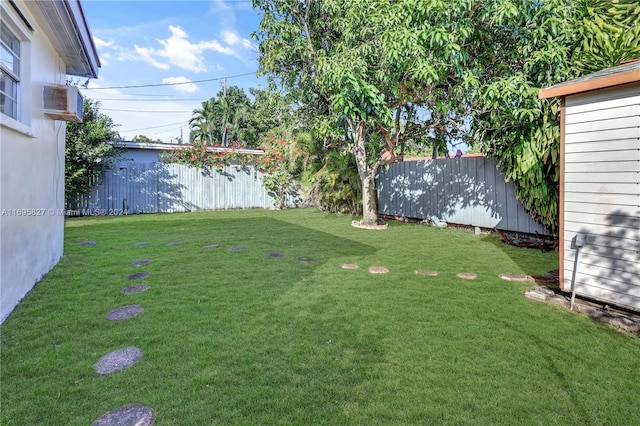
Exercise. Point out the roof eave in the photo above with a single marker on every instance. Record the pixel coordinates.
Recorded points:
(69, 33)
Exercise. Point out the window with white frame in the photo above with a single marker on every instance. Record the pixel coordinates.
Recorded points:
(9, 72)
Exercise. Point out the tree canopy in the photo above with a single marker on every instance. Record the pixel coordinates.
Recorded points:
(359, 71)
(89, 150)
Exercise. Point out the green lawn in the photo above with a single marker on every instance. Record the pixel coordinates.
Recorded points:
(238, 338)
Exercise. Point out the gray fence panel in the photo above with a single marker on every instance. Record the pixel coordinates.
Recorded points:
(168, 188)
(465, 191)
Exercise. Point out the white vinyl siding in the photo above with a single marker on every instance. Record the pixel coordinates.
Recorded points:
(602, 194)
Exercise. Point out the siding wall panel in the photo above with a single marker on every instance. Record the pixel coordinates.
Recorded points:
(602, 194)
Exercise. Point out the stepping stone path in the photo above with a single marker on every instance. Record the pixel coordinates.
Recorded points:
(378, 270)
(138, 276)
(305, 260)
(87, 243)
(129, 415)
(135, 289)
(516, 277)
(467, 275)
(427, 273)
(273, 255)
(125, 312)
(133, 414)
(143, 243)
(212, 246)
(236, 248)
(352, 266)
(175, 243)
(117, 360)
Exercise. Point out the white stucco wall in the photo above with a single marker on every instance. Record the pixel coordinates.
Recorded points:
(31, 176)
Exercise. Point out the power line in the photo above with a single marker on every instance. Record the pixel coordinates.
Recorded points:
(151, 100)
(154, 127)
(172, 84)
(139, 110)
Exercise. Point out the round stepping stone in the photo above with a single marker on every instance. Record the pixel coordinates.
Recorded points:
(212, 246)
(135, 289)
(117, 360)
(273, 255)
(516, 277)
(378, 270)
(138, 276)
(349, 266)
(125, 312)
(140, 244)
(427, 273)
(87, 243)
(140, 262)
(467, 275)
(175, 243)
(305, 260)
(128, 415)
(236, 248)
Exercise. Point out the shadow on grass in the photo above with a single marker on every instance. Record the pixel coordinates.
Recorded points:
(530, 261)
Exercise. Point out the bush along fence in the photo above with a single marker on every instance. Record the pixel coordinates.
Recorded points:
(464, 190)
(168, 188)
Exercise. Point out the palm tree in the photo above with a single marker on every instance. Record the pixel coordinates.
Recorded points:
(203, 123)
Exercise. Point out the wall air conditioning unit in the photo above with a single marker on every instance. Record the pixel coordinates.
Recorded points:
(62, 102)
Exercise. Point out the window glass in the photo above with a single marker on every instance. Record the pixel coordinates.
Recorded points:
(9, 72)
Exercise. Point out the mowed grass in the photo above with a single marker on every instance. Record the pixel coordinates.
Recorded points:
(238, 338)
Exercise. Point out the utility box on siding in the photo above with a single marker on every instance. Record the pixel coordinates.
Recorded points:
(600, 184)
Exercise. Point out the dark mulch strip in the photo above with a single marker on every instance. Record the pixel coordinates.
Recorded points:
(128, 415)
(212, 246)
(273, 255)
(305, 260)
(140, 262)
(117, 360)
(236, 248)
(175, 243)
(125, 312)
(135, 289)
(87, 243)
(143, 243)
(138, 276)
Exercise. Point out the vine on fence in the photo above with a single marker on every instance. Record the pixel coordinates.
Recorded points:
(274, 163)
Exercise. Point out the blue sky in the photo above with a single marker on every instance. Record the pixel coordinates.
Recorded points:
(151, 42)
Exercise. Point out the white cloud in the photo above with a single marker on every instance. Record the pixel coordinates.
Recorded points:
(230, 37)
(185, 85)
(147, 55)
(177, 50)
(101, 43)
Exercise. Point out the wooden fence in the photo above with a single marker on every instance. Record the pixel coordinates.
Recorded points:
(167, 188)
(465, 191)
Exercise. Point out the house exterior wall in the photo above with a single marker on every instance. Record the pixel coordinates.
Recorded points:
(140, 156)
(601, 194)
(31, 174)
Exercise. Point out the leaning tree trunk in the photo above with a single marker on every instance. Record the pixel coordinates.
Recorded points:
(366, 174)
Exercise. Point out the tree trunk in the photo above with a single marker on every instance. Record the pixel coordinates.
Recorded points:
(369, 204)
(366, 174)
